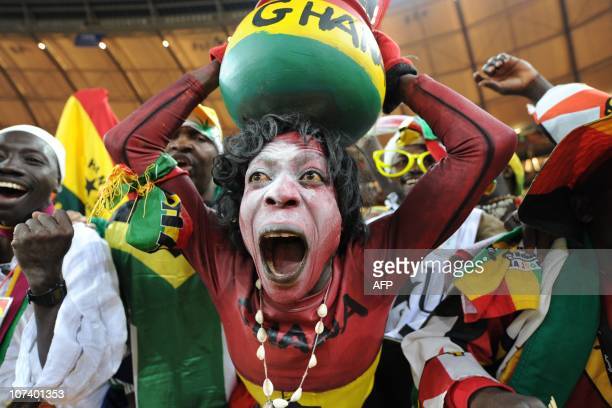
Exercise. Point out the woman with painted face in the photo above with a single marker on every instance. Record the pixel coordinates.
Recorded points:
(283, 258)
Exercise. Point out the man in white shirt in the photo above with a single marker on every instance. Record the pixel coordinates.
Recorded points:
(72, 334)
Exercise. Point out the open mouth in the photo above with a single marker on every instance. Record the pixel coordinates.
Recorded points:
(410, 182)
(11, 191)
(283, 254)
(184, 162)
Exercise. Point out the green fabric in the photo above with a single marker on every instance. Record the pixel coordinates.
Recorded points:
(554, 357)
(345, 99)
(179, 345)
(146, 221)
(101, 224)
(6, 341)
(162, 166)
(149, 227)
(414, 396)
(69, 201)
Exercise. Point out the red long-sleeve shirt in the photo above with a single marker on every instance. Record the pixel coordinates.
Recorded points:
(478, 145)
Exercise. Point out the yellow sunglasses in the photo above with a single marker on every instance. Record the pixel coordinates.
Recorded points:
(387, 169)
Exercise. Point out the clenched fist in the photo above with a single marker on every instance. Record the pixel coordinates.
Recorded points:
(39, 245)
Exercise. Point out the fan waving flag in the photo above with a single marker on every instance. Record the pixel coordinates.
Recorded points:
(87, 116)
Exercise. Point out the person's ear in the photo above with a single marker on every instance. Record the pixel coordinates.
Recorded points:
(582, 207)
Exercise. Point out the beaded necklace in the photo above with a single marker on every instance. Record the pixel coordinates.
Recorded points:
(262, 336)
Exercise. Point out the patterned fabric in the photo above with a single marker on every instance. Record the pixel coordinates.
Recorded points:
(15, 288)
(580, 152)
(409, 312)
(505, 349)
(497, 332)
(539, 371)
(187, 366)
(90, 330)
(510, 281)
(155, 220)
(448, 344)
(566, 107)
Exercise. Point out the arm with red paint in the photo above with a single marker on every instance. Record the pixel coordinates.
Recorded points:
(478, 146)
(139, 139)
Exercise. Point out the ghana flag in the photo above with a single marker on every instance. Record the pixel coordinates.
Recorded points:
(176, 339)
(86, 117)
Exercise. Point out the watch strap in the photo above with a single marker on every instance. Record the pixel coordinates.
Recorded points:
(50, 298)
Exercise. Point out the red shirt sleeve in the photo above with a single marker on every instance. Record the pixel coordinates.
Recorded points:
(139, 139)
(478, 146)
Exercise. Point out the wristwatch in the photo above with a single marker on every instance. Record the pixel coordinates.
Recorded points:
(50, 298)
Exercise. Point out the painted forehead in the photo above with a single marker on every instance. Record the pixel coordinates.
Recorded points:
(296, 139)
(291, 148)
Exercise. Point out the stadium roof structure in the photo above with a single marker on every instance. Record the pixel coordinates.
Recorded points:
(137, 47)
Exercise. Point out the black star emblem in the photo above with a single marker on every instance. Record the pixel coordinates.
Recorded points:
(90, 186)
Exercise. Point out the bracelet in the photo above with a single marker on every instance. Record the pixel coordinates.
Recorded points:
(50, 298)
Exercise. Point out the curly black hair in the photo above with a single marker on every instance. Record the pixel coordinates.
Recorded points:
(229, 171)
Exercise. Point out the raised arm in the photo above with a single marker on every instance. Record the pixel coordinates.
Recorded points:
(557, 109)
(140, 138)
(478, 147)
(74, 343)
(509, 75)
(40, 246)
